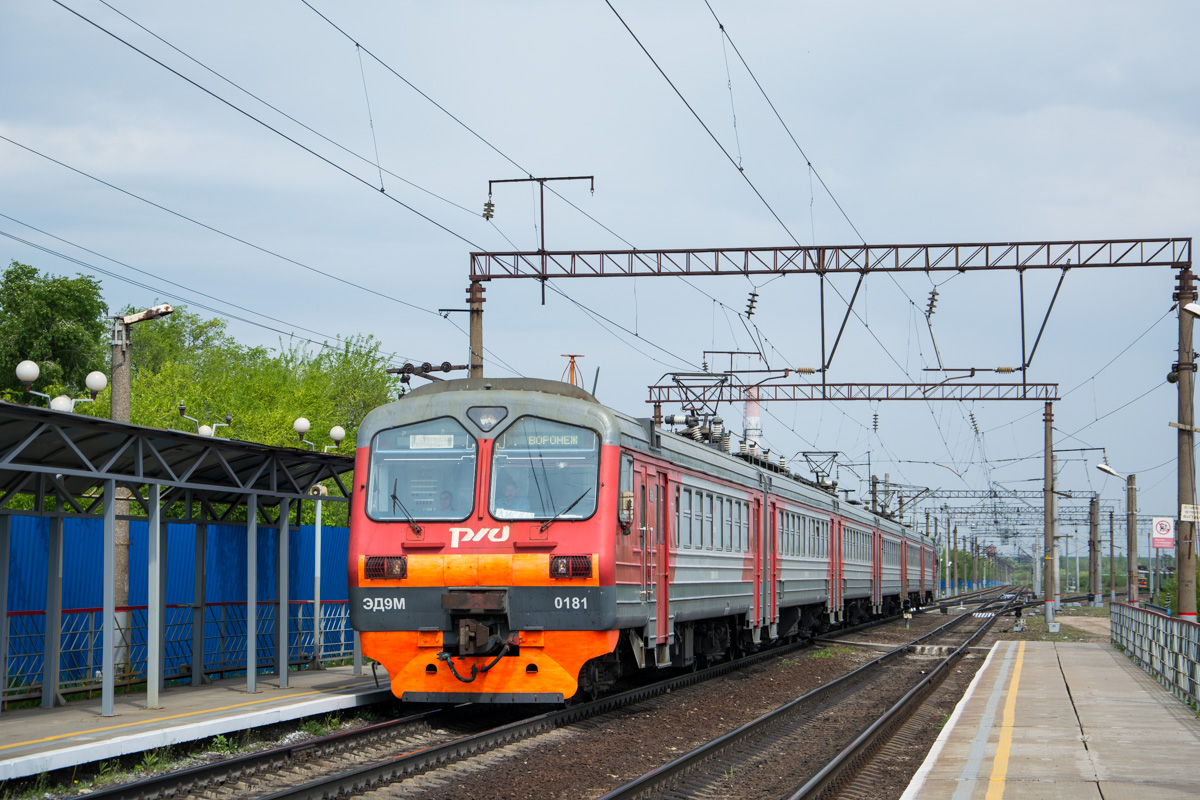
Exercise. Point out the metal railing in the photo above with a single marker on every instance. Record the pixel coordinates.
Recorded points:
(1168, 648)
(80, 644)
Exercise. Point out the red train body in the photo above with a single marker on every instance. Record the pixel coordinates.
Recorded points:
(516, 541)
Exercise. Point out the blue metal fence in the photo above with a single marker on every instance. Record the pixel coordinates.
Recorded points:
(225, 602)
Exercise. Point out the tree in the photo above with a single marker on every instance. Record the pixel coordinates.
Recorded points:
(56, 321)
(185, 357)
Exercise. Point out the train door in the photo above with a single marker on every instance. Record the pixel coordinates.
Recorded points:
(904, 581)
(877, 571)
(662, 557)
(653, 543)
(768, 563)
(756, 595)
(836, 588)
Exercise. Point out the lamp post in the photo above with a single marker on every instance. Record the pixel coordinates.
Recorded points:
(337, 433)
(120, 405)
(1131, 544)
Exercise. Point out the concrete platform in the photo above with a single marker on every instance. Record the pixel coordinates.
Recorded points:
(38, 740)
(1063, 721)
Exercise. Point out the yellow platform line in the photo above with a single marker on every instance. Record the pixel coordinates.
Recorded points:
(174, 716)
(1004, 748)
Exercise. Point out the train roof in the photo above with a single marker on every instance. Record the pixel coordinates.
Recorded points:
(615, 427)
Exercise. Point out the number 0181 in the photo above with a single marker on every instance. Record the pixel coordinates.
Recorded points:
(570, 603)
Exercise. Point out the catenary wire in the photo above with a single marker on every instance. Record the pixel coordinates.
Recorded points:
(167, 281)
(716, 141)
(259, 248)
(191, 302)
(220, 232)
(452, 116)
(288, 116)
(269, 127)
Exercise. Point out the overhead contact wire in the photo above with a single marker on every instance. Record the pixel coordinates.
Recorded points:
(269, 127)
(218, 231)
(716, 141)
(286, 115)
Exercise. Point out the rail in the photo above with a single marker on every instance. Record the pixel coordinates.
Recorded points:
(657, 779)
(1168, 648)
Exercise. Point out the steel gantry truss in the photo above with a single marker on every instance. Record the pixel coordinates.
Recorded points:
(723, 389)
(821, 260)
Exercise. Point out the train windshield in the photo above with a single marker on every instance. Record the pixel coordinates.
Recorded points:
(543, 469)
(422, 471)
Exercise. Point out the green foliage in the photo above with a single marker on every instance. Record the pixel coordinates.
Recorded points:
(154, 760)
(222, 744)
(313, 728)
(57, 322)
(185, 357)
(833, 651)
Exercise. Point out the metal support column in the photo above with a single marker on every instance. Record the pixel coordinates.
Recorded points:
(199, 581)
(52, 647)
(475, 301)
(1095, 585)
(156, 556)
(1056, 538)
(5, 529)
(954, 559)
(252, 594)
(1185, 534)
(282, 624)
(108, 660)
(1112, 562)
(318, 634)
(945, 584)
(1049, 568)
(1131, 542)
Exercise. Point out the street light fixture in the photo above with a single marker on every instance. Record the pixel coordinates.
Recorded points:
(205, 430)
(28, 372)
(1131, 528)
(302, 426)
(337, 433)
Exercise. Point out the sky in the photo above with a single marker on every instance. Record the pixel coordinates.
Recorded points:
(317, 170)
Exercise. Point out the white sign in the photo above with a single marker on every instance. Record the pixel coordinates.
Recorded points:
(1188, 513)
(1163, 537)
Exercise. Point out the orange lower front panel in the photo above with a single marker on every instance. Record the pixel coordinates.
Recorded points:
(546, 670)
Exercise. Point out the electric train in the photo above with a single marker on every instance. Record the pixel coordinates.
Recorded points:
(514, 540)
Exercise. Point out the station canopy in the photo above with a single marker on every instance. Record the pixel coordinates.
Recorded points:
(54, 454)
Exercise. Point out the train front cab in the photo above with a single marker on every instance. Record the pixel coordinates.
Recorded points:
(463, 588)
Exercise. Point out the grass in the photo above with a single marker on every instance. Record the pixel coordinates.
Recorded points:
(831, 652)
(1085, 611)
(1036, 630)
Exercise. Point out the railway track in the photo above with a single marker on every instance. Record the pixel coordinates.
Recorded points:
(786, 738)
(354, 762)
(391, 750)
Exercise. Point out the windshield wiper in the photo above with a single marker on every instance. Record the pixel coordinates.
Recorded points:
(556, 517)
(407, 516)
